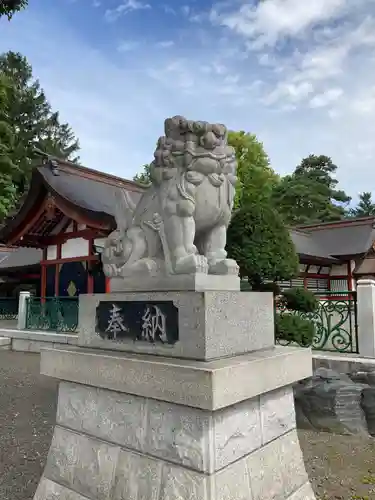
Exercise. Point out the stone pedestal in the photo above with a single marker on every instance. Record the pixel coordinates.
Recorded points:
(208, 415)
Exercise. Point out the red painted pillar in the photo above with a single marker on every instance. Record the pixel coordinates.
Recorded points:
(57, 270)
(107, 285)
(90, 278)
(43, 284)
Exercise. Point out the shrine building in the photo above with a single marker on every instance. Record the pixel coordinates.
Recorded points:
(51, 245)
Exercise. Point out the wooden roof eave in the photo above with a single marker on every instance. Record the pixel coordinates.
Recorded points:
(34, 204)
(81, 215)
(28, 268)
(315, 259)
(35, 197)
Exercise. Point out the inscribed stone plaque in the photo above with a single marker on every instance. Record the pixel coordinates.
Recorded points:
(138, 320)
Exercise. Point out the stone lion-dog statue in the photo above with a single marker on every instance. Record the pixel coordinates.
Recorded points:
(180, 223)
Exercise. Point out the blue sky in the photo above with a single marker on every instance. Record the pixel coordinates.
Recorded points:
(298, 74)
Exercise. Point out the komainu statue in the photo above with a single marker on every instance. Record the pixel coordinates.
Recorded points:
(179, 225)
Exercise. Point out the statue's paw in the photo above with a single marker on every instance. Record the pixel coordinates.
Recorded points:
(224, 267)
(111, 270)
(146, 266)
(201, 264)
(192, 264)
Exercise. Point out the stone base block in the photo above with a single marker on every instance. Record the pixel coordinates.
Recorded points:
(144, 428)
(115, 446)
(207, 385)
(206, 325)
(80, 467)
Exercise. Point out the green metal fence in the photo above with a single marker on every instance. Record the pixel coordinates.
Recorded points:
(8, 308)
(335, 322)
(58, 314)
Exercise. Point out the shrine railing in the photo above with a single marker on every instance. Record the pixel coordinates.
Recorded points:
(8, 308)
(335, 322)
(57, 314)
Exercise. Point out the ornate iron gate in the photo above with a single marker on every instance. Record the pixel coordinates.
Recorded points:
(57, 314)
(335, 322)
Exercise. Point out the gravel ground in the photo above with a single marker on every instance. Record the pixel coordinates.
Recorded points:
(340, 467)
(27, 413)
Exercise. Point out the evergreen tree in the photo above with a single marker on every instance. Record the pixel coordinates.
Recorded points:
(7, 167)
(365, 206)
(260, 243)
(10, 7)
(32, 120)
(309, 195)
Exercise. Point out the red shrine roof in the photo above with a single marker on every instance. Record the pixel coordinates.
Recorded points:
(59, 192)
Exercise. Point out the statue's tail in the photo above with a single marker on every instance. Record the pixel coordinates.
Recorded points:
(125, 208)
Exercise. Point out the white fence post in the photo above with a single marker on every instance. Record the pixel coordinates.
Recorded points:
(366, 317)
(22, 310)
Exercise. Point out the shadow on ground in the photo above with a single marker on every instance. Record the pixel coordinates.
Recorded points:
(340, 467)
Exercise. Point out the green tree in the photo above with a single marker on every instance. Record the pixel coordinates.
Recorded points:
(10, 7)
(256, 179)
(365, 206)
(258, 240)
(7, 167)
(309, 194)
(33, 122)
(144, 177)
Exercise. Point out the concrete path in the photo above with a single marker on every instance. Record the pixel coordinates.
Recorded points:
(27, 414)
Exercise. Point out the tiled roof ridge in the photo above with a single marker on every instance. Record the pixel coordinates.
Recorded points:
(358, 221)
(299, 230)
(96, 175)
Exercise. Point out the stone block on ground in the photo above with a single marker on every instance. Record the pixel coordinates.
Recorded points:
(332, 402)
(368, 406)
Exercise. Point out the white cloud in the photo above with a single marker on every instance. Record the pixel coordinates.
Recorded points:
(326, 98)
(125, 7)
(128, 45)
(270, 20)
(364, 102)
(165, 44)
(323, 67)
(293, 92)
(169, 10)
